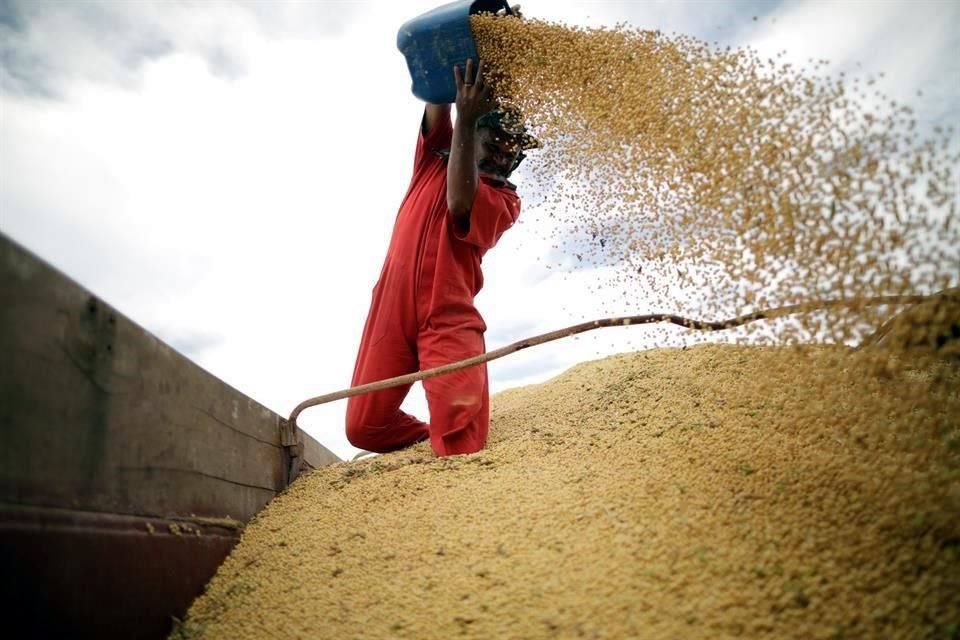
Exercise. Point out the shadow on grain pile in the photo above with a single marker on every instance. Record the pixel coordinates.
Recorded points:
(712, 491)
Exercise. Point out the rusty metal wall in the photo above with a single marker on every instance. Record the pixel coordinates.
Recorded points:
(95, 575)
(111, 443)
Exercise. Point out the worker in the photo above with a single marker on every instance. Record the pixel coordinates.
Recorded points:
(422, 315)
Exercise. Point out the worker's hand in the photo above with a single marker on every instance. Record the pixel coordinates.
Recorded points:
(474, 96)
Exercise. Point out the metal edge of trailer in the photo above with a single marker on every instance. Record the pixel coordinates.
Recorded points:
(127, 472)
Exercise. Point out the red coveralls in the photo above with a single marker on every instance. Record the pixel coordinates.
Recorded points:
(422, 313)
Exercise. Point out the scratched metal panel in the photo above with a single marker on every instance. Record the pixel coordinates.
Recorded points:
(126, 471)
(74, 574)
(97, 414)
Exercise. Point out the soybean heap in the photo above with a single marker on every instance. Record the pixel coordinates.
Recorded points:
(785, 491)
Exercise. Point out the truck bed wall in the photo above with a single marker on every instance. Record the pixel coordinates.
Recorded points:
(126, 470)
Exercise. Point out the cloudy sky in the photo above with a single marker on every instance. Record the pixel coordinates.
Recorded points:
(227, 173)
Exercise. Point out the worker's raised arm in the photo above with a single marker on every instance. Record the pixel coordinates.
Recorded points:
(474, 98)
(432, 114)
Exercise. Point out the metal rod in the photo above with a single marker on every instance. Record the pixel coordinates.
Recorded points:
(621, 321)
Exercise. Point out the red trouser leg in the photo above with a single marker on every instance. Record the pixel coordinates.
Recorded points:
(374, 420)
(460, 401)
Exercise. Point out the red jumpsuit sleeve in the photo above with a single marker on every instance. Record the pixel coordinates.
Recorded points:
(438, 138)
(494, 210)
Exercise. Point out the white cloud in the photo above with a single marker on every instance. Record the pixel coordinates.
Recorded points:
(913, 44)
(46, 45)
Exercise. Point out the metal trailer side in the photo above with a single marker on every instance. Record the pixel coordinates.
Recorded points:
(127, 472)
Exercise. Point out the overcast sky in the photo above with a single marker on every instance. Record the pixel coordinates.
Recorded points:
(227, 174)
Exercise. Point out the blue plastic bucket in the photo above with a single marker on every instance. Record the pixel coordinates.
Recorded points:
(434, 42)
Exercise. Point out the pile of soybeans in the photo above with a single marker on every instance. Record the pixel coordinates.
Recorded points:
(710, 492)
(775, 491)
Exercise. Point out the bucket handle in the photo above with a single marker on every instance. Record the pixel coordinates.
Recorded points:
(506, 7)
